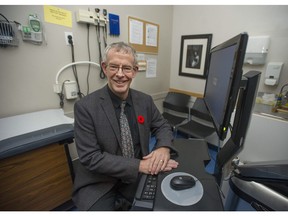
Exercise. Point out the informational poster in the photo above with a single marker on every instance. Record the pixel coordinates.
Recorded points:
(151, 35)
(136, 31)
(151, 67)
(57, 16)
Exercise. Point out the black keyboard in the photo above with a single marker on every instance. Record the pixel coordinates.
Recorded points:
(149, 189)
(145, 194)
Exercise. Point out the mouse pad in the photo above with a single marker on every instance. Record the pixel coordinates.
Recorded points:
(185, 197)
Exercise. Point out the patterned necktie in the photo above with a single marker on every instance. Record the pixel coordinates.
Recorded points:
(126, 138)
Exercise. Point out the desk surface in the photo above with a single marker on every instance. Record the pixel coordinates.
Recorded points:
(193, 154)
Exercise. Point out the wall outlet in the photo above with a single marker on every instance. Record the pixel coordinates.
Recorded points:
(66, 37)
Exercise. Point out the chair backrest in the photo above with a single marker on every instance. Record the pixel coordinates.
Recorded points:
(178, 102)
(199, 110)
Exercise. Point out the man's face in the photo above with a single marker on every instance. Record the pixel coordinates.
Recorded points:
(120, 71)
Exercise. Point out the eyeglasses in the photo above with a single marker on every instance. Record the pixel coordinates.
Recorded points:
(125, 68)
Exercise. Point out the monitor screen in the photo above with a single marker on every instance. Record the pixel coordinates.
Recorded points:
(223, 81)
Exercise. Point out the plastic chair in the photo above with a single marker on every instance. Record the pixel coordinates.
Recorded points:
(200, 122)
(176, 109)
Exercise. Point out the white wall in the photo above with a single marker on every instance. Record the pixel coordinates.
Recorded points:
(225, 22)
(27, 72)
(261, 145)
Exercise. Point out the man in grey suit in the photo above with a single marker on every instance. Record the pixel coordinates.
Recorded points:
(105, 175)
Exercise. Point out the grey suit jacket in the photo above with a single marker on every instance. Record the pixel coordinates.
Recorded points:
(97, 137)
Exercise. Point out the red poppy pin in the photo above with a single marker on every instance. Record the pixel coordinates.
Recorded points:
(141, 119)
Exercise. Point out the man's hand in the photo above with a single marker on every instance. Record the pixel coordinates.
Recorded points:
(172, 164)
(158, 160)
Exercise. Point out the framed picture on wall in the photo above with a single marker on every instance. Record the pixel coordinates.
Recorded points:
(194, 55)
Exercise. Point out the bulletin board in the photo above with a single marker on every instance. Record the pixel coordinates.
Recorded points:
(143, 35)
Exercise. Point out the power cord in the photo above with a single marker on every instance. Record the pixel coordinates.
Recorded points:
(105, 28)
(97, 10)
(74, 68)
(61, 94)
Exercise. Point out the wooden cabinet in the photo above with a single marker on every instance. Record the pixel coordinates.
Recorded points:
(35, 180)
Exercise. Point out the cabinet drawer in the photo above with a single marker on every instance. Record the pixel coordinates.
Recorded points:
(35, 180)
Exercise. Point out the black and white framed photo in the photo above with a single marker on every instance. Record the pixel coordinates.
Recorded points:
(194, 55)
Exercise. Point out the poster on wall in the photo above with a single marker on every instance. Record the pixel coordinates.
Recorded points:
(194, 55)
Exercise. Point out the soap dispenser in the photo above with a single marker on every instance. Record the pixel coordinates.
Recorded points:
(273, 71)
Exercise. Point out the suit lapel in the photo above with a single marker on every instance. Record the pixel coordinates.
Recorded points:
(139, 111)
(109, 111)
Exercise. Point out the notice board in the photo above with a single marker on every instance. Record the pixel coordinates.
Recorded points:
(143, 35)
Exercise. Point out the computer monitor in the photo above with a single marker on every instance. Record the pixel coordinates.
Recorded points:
(225, 86)
(223, 82)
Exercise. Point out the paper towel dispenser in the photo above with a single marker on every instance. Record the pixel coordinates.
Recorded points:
(257, 50)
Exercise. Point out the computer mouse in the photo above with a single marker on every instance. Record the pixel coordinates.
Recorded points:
(182, 182)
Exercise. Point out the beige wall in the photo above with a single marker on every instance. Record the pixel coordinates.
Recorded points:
(27, 72)
(225, 22)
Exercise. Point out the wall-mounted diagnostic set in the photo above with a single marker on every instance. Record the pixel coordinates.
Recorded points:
(96, 18)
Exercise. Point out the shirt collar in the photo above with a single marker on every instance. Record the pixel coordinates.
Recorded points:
(117, 101)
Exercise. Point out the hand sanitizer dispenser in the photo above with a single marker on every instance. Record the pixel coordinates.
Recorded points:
(257, 50)
(273, 73)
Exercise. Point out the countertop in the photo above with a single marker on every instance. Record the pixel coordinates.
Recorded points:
(266, 110)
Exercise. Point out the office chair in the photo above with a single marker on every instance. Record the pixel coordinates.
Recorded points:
(199, 124)
(176, 109)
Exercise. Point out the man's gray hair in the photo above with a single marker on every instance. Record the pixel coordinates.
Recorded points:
(122, 48)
